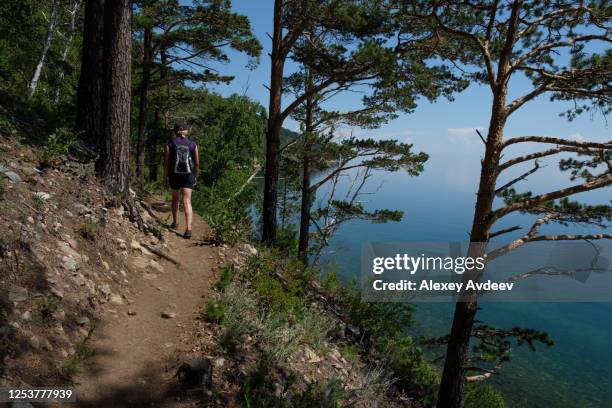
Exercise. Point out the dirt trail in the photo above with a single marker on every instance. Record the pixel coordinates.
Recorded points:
(135, 357)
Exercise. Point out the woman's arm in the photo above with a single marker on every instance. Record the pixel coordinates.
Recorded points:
(197, 162)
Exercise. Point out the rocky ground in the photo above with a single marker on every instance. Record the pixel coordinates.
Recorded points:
(86, 299)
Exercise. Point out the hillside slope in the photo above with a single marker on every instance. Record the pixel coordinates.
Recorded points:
(87, 301)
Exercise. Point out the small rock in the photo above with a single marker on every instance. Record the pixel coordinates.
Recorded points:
(69, 263)
(106, 266)
(82, 321)
(82, 209)
(71, 242)
(106, 290)
(168, 315)
(59, 315)
(140, 262)
(352, 330)
(27, 316)
(116, 299)
(17, 294)
(34, 342)
(131, 312)
(311, 355)
(42, 195)
(219, 362)
(156, 265)
(250, 249)
(14, 177)
(56, 292)
(46, 345)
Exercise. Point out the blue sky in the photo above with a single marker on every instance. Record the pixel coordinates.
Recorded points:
(443, 129)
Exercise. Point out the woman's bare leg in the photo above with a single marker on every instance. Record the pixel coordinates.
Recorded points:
(187, 207)
(175, 206)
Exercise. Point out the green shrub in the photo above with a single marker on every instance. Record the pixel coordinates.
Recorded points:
(386, 324)
(482, 396)
(350, 353)
(313, 326)
(2, 185)
(227, 274)
(273, 296)
(6, 123)
(405, 359)
(258, 390)
(90, 229)
(74, 364)
(51, 303)
(58, 144)
(226, 213)
(214, 311)
(38, 201)
(231, 337)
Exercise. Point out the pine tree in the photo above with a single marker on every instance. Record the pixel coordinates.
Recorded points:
(113, 163)
(89, 95)
(496, 41)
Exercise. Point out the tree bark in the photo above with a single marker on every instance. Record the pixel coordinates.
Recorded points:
(113, 164)
(144, 102)
(307, 191)
(305, 210)
(89, 93)
(45, 49)
(275, 121)
(453, 376)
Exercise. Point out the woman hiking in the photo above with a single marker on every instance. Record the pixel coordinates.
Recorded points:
(181, 167)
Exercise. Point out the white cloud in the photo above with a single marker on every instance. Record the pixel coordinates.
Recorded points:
(577, 137)
(464, 134)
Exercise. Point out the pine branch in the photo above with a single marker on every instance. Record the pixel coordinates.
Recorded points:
(556, 140)
(545, 153)
(519, 178)
(504, 231)
(598, 182)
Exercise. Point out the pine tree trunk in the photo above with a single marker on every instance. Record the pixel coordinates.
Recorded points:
(45, 49)
(307, 192)
(268, 235)
(305, 210)
(114, 155)
(143, 108)
(453, 376)
(89, 94)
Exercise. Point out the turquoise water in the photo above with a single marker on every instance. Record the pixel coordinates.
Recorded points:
(575, 372)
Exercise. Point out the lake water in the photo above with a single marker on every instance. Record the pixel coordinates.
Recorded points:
(438, 206)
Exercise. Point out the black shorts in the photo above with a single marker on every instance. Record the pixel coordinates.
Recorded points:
(178, 181)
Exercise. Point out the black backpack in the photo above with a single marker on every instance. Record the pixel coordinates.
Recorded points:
(183, 163)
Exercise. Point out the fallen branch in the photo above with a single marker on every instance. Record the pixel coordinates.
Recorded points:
(161, 254)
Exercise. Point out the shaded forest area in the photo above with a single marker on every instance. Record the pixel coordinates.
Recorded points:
(103, 82)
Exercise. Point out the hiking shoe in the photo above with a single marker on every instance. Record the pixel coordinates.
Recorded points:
(174, 225)
(187, 234)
